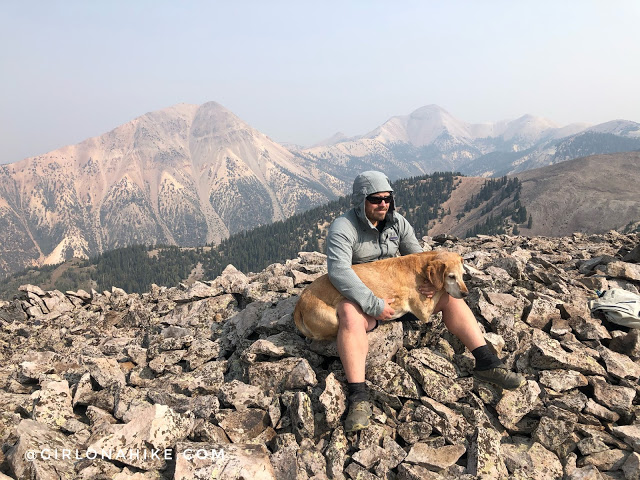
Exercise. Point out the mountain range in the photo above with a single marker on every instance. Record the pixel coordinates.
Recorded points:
(194, 174)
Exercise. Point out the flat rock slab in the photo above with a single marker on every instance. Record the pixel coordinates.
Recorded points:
(435, 458)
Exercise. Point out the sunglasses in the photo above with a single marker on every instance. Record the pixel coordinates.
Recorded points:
(379, 200)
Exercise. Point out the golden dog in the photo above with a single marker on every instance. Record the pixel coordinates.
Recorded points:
(397, 278)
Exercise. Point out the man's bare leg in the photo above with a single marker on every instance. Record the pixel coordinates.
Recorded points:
(352, 342)
(353, 346)
(459, 320)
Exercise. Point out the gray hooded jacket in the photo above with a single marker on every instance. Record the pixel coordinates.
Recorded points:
(353, 239)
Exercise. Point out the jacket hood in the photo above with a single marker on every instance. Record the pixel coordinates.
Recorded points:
(368, 183)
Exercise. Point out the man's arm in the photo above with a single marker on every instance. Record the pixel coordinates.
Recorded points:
(340, 243)
(408, 241)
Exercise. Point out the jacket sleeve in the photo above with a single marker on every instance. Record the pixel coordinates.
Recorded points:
(408, 241)
(340, 242)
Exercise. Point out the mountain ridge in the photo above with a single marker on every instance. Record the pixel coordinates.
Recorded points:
(194, 174)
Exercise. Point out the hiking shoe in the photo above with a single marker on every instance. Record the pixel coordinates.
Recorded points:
(358, 417)
(501, 377)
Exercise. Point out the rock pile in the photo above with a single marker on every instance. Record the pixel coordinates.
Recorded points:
(212, 380)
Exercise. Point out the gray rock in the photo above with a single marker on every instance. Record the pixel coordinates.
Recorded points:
(44, 444)
(394, 454)
(285, 374)
(414, 432)
(589, 445)
(384, 343)
(594, 408)
(606, 460)
(485, 457)
(154, 428)
(334, 401)
(435, 385)
(354, 470)
(242, 426)
(278, 318)
(434, 458)
(52, 407)
(206, 379)
(616, 398)
(585, 473)
(369, 456)
(394, 380)
(105, 371)
(552, 433)
(201, 351)
(619, 365)
(631, 467)
(311, 461)
(562, 380)
(435, 362)
(280, 283)
(629, 271)
(540, 313)
(548, 354)
(302, 418)
(587, 328)
(628, 344)
(284, 459)
(336, 453)
(231, 280)
(515, 404)
(301, 277)
(452, 433)
(530, 459)
(242, 396)
(630, 434)
(406, 471)
(195, 461)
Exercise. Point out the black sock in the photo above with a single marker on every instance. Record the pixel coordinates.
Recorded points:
(358, 392)
(485, 358)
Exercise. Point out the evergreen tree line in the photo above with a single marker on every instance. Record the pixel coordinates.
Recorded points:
(503, 185)
(419, 199)
(494, 192)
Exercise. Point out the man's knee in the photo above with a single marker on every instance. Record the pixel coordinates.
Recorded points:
(447, 303)
(350, 315)
(443, 303)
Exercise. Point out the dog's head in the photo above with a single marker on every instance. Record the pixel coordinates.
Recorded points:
(445, 271)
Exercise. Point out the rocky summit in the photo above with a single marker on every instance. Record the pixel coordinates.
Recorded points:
(212, 380)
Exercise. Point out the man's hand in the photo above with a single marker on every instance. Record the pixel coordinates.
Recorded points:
(387, 311)
(427, 289)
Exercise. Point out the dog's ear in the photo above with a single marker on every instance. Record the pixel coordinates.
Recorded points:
(435, 274)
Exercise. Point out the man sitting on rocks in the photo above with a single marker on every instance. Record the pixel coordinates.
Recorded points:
(370, 231)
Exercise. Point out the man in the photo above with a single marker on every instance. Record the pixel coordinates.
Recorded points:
(370, 231)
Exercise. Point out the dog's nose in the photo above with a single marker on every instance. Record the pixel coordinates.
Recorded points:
(464, 294)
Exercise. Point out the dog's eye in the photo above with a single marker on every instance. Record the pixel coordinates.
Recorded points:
(452, 275)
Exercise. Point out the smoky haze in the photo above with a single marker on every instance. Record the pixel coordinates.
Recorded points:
(301, 71)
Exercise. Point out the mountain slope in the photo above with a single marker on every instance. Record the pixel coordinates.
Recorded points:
(591, 195)
(186, 175)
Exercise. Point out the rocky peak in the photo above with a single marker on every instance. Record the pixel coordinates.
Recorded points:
(219, 367)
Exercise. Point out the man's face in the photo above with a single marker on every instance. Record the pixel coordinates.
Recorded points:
(376, 213)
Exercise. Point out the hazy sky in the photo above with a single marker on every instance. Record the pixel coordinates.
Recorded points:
(300, 71)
